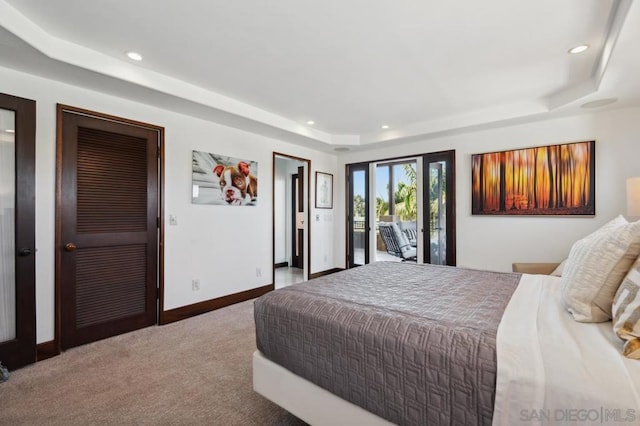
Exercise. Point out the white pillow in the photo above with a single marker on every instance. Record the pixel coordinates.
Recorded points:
(595, 268)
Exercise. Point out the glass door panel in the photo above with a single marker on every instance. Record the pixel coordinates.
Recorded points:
(439, 208)
(7, 226)
(396, 201)
(384, 206)
(437, 213)
(17, 231)
(358, 215)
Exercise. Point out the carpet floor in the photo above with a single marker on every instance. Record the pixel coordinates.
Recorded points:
(195, 371)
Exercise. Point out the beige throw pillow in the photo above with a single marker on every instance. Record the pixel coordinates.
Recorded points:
(595, 268)
(626, 312)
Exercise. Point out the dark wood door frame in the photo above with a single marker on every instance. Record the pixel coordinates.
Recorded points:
(349, 203)
(307, 186)
(300, 203)
(22, 350)
(449, 158)
(297, 235)
(292, 222)
(61, 109)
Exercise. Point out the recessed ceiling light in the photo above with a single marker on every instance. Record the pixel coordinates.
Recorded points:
(341, 149)
(384, 126)
(311, 122)
(579, 49)
(135, 56)
(599, 103)
(10, 131)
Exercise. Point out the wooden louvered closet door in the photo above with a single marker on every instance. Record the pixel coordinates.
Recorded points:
(108, 241)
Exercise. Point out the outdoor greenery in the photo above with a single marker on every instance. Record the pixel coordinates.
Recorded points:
(405, 205)
(404, 198)
(382, 207)
(358, 206)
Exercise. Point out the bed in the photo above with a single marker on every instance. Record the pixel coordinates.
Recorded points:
(417, 344)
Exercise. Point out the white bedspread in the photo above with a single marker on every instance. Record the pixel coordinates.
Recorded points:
(554, 370)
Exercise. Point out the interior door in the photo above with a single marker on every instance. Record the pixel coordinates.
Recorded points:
(300, 217)
(297, 219)
(108, 220)
(17, 231)
(439, 230)
(358, 214)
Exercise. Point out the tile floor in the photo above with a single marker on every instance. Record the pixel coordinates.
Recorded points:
(380, 256)
(288, 276)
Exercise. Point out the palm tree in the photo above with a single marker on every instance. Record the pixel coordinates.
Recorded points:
(382, 207)
(358, 206)
(405, 197)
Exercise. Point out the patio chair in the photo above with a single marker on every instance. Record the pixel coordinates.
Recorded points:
(408, 228)
(396, 242)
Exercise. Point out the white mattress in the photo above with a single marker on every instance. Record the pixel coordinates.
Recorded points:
(554, 370)
(306, 400)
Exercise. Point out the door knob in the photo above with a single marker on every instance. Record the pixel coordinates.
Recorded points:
(70, 247)
(25, 252)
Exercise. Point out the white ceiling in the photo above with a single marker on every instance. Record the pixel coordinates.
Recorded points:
(424, 68)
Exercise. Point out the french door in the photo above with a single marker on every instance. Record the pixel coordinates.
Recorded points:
(17, 231)
(439, 231)
(358, 214)
(297, 219)
(400, 183)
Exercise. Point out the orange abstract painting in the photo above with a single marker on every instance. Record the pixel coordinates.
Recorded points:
(548, 180)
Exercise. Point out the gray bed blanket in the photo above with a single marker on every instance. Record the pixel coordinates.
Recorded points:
(414, 344)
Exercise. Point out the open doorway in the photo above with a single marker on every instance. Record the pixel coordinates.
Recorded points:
(290, 224)
(396, 210)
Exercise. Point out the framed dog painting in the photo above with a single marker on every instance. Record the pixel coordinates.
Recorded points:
(226, 181)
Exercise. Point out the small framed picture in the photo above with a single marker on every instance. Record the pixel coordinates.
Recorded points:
(324, 190)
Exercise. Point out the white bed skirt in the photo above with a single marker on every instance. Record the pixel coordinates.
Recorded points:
(304, 399)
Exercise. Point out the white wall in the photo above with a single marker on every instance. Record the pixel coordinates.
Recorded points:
(490, 242)
(220, 245)
(331, 222)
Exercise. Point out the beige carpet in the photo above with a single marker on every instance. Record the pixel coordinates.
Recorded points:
(196, 371)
